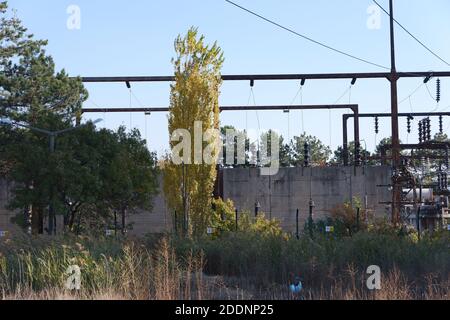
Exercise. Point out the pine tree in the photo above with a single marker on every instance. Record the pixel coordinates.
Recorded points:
(31, 91)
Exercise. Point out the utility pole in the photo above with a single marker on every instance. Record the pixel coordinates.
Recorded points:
(394, 121)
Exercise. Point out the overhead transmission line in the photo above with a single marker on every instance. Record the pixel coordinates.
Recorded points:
(412, 93)
(413, 36)
(306, 37)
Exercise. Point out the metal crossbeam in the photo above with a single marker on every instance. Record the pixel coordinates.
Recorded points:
(353, 107)
(274, 77)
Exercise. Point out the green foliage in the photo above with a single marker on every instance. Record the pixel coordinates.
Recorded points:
(130, 176)
(267, 259)
(31, 87)
(223, 216)
(345, 218)
(188, 187)
(229, 146)
(223, 220)
(260, 225)
(338, 158)
(261, 262)
(90, 172)
(291, 153)
(319, 152)
(108, 266)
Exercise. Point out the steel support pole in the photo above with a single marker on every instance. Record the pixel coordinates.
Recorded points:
(345, 117)
(356, 136)
(345, 139)
(396, 197)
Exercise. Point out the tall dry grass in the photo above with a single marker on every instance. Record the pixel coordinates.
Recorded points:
(235, 266)
(131, 272)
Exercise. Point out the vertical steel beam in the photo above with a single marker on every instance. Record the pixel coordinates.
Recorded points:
(345, 117)
(394, 120)
(356, 135)
(345, 139)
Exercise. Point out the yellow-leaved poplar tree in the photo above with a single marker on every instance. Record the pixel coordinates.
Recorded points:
(194, 100)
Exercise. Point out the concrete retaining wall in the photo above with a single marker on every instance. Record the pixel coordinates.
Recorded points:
(279, 196)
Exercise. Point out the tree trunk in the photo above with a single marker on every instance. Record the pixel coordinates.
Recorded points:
(71, 219)
(124, 212)
(37, 220)
(115, 222)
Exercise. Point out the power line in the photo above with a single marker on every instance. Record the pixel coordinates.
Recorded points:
(136, 98)
(408, 97)
(429, 92)
(306, 37)
(413, 36)
(343, 95)
(412, 93)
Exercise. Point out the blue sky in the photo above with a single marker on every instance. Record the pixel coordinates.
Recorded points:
(119, 38)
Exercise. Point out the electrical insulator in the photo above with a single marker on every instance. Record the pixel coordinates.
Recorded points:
(376, 125)
(357, 154)
(439, 178)
(446, 158)
(307, 154)
(441, 130)
(444, 181)
(408, 124)
(424, 130)
(420, 131)
(438, 90)
(428, 121)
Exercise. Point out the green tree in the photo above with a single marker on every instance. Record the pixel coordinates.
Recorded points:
(248, 146)
(90, 172)
(338, 158)
(319, 152)
(31, 87)
(31, 91)
(285, 151)
(194, 97)
(384, 145)
(95, 174)
(130, 177)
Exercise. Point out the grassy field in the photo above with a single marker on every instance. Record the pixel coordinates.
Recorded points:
(239, 265)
